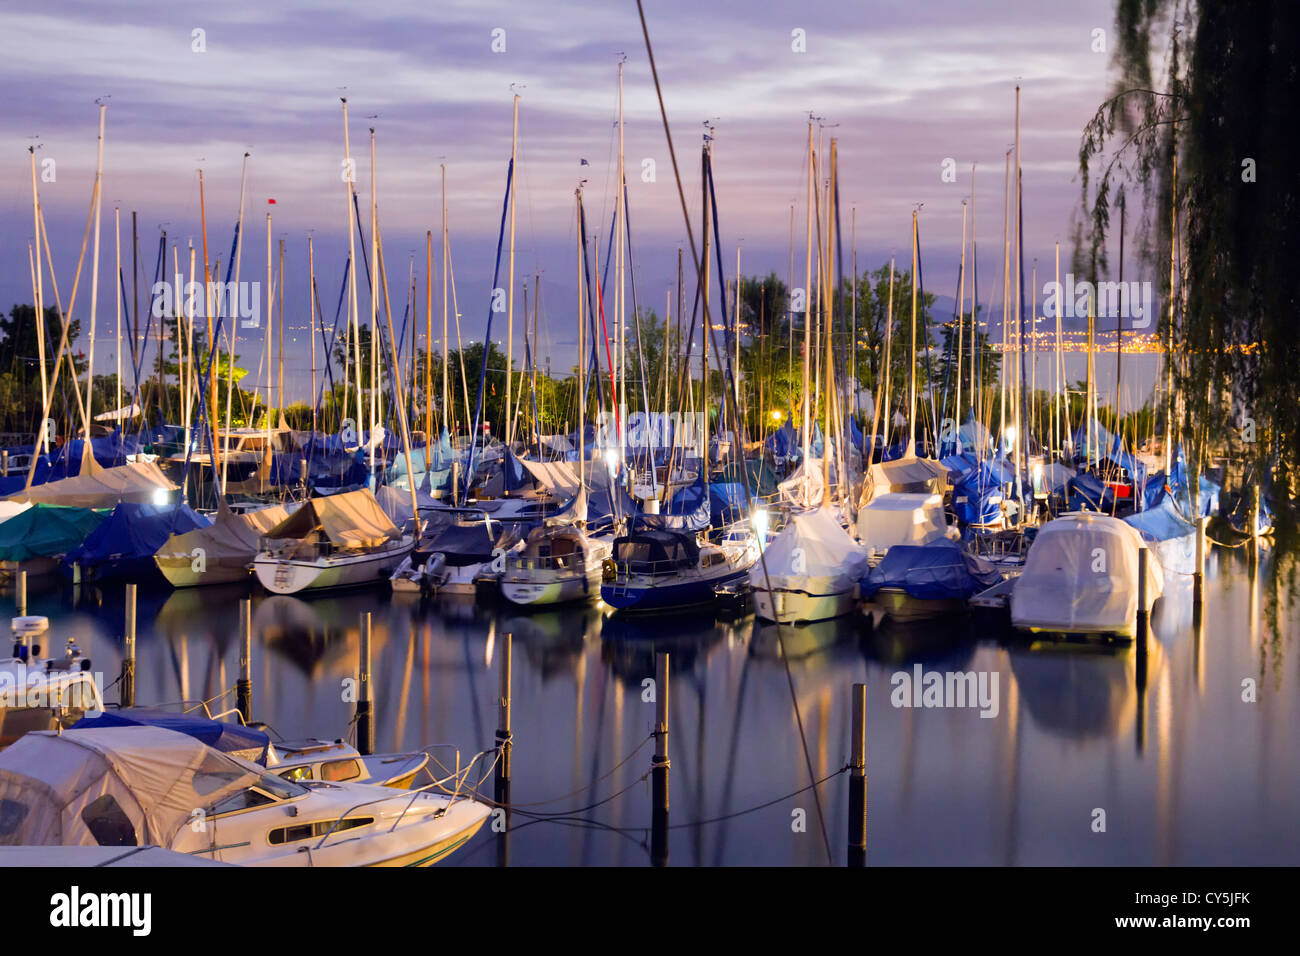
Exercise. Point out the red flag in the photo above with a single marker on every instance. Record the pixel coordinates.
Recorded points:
(270, 202)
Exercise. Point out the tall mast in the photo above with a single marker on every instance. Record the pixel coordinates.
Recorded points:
(374, 310)
(446, 352)
(804, 423)
(1003, 370)
(510, 279)
(620, 257)
(911, 365)
(353, 315)
(270, 324)
(94, 271)
(428, 345)
(207, 301)
(961, 323)
(1022, 441)
(974, 303)
(117, 299)
(707, 325)
(582, 350)
(1169, 342)
(234, 326)
(889, 338)
(280, 337)
(828, 300)
(40, 282)
(1119, 321)
(311, 328)
(1058, 439)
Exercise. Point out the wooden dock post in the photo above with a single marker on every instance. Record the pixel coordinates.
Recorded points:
(1141, 632)
(504, 737)
(1198, 576)
(659, 765)
(4, 463)
(128, 656)
(244, 685)
(365, 724)
(858, 780)
(21, 597)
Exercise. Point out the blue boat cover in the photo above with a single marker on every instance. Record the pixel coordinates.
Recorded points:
(135, 531)
(940, 571)
(1163, 522)
(228, 738)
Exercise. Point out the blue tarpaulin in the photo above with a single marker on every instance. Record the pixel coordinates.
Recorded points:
(228, 738)
(124, 545)
(940, 571)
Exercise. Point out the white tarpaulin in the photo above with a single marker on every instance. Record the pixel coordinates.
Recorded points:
(804, 488)
(10, 508)
(1081, 576)
(811, 553)
(558, 477)
(901, 518)
(112, 786)
(119, 414)
(231, 538)
(138, 482)
(912, 475)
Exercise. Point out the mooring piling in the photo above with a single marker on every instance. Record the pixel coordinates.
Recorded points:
(503, 724)
(21, 597)
(858, 780)
(659, 765)
(365, 723)
(244, 685)
(1198, 576)
(128, 654)
(1140, 632)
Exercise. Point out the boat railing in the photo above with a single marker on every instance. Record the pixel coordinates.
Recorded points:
(652, 568)
(562, 562)
(458, 776)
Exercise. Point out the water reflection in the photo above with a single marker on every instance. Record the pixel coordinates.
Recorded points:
(1160, 735)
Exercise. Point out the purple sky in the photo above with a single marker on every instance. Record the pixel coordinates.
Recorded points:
(909, 84)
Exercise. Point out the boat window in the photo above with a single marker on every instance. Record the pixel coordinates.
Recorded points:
(108, 823)
(12, 814)
(296, 774)
(214, 774)
(16, 721)
(243, 800)
(280, 788)
(304, 831)
(340, 770)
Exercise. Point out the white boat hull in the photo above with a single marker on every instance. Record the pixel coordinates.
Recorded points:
(290, 576)
(536, 590)
(788, 606)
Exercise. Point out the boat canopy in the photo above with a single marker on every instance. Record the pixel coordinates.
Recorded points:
(811, 551)
(235, 536)
(909, 475)
(1082, 575)
(350, 519)
(246, 742)
(557, 477)
(46, 531)
(939, 571)
(136, 481)
(652, 548)
(899, 518)
(1164, 522)
(117, 786)
(463, 544)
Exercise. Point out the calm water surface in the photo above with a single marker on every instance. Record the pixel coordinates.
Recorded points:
(1186, 771)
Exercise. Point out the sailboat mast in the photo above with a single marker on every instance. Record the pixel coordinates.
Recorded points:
(889, 341)
(428, 345)
(582, 350)
(349, 169)
(620, 257)
(40, 282)
(974, 303)
(117, 298)
(1058, 439)
(311, 329)
(510, 279)
(94, 269)
(961, 325)
(446, 352)
(270, 324)
(1022, 440)
(374, 310)
(804, 422)
(234, 326)
(1119, 321)
(911, 365)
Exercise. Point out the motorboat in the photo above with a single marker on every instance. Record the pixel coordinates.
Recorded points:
(914, 582)
(1081, 577)
(43, 693)
(141, 786)
(657, 567)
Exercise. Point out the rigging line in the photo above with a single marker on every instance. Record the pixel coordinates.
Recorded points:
(690, 233)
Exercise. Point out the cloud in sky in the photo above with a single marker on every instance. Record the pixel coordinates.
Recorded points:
(902, 85)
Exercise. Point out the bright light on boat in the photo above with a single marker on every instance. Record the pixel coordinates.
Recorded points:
(1011, 436)
(761, 520)
(611, 459)
(160, 496)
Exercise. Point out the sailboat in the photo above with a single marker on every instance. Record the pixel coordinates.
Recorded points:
(338, 541)
(809, 571)
(558, 564)
(221, 553)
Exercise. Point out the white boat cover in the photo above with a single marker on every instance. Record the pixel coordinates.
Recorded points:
(10, 508)
(804, 488)
(230, 536)
(136, 482)
(557, 477)
(811, 553)
(83, 787)
(125, 413)
(912, 475)
(352, 519)
(901, 518)
(1082, 575)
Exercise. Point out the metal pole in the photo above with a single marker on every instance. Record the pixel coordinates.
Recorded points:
(858, 780)
(128, 657)
(365, 726)
(659, 765)
(1141, 633)
(244, 685)
(503, 723)
(1198, 576)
